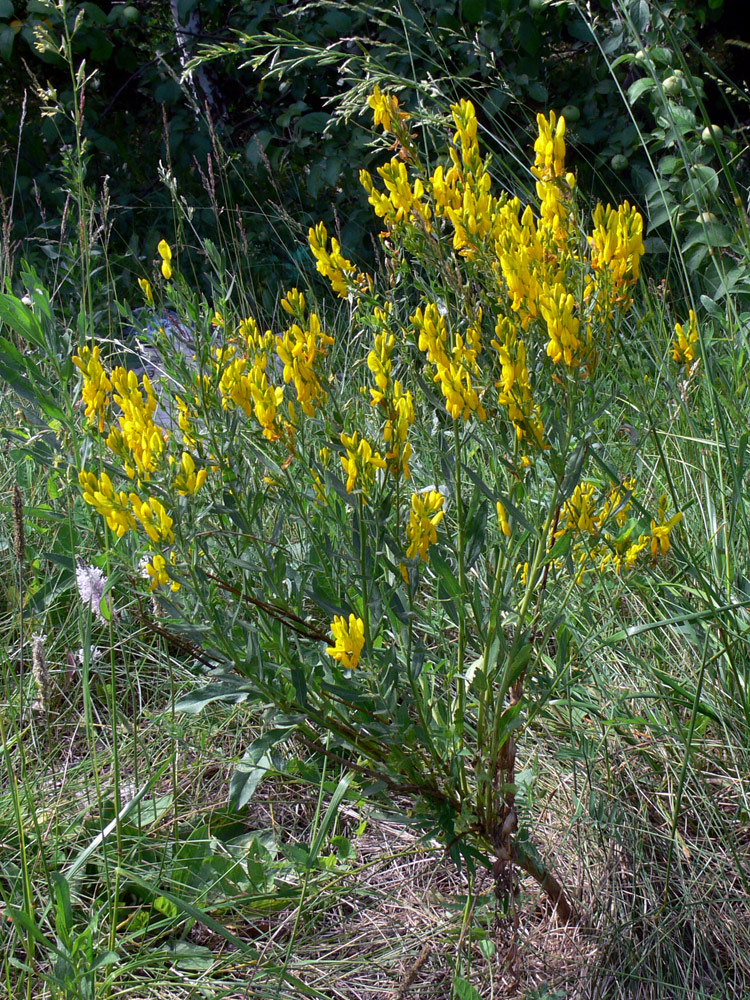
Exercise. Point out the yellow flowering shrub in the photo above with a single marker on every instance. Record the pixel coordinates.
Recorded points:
(471, 369)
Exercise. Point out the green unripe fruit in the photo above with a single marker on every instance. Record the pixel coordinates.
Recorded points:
(571, 113)
(619, 163)
(672, 86)
(711, 132)
(537, 5)
(131, 14)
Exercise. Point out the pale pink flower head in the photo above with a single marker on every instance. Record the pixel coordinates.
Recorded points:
(91, 583)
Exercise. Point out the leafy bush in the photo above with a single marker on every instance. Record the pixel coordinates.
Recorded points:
(388, 569)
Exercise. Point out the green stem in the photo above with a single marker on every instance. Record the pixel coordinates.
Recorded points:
(459, 709)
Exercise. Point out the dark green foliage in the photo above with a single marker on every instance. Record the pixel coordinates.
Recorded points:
(277, 72)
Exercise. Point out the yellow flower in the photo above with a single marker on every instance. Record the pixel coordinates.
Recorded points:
(332, 264)
(349, 640)
(360, 462)
(617, 245)
(113, 507)
(662, 528)
(299, 350)
(96, 385)
(385, 108)
(156, 570)
(147, 290)
(153, 516)
(425, 515)
(683, 346)
(137, 440)
(188, 480)
(514, 384)
(502, 518)
(549, 148)
(400, 419)
(165, 253)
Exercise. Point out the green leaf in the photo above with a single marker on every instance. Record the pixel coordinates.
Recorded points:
(474, 536)
(510, 720)
(463, 990)
(315, 121)
(232, 691)
(6, 8)
(472, 11)
(185, 8)
(21, 320)
(251, 770)
(559, 549)
(191, 957)
(330, 816)
(706, 177)
(7, 36)
(639, 88)
(167, 907)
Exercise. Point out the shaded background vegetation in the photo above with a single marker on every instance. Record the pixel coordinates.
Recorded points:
(273, 96)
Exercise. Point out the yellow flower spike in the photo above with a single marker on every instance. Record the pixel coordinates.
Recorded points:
(154, 518)
(137, 440)
(165, 252)
(617, 246)
(400, 419)
(425, 515)
(299, 350)
(293, 302)
(360, 462)
(100, 494)
(683, 346)
(95, 393)
(342, 274)
(147, 290)
(386, 109)
(549, 148)
(349, 640)
(379, 363)
(557, 306)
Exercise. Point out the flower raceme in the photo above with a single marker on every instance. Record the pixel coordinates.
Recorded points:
(155, 570)
(137, 439)
(96, 385)
(661, 529)
(300, 350)
(124, 511)
(549, 148)
(452, 366)
(360, 463)
(683, 346)
(349, 640)
(341, 273)
(602, 534)
(425, 515)
(386, 110)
